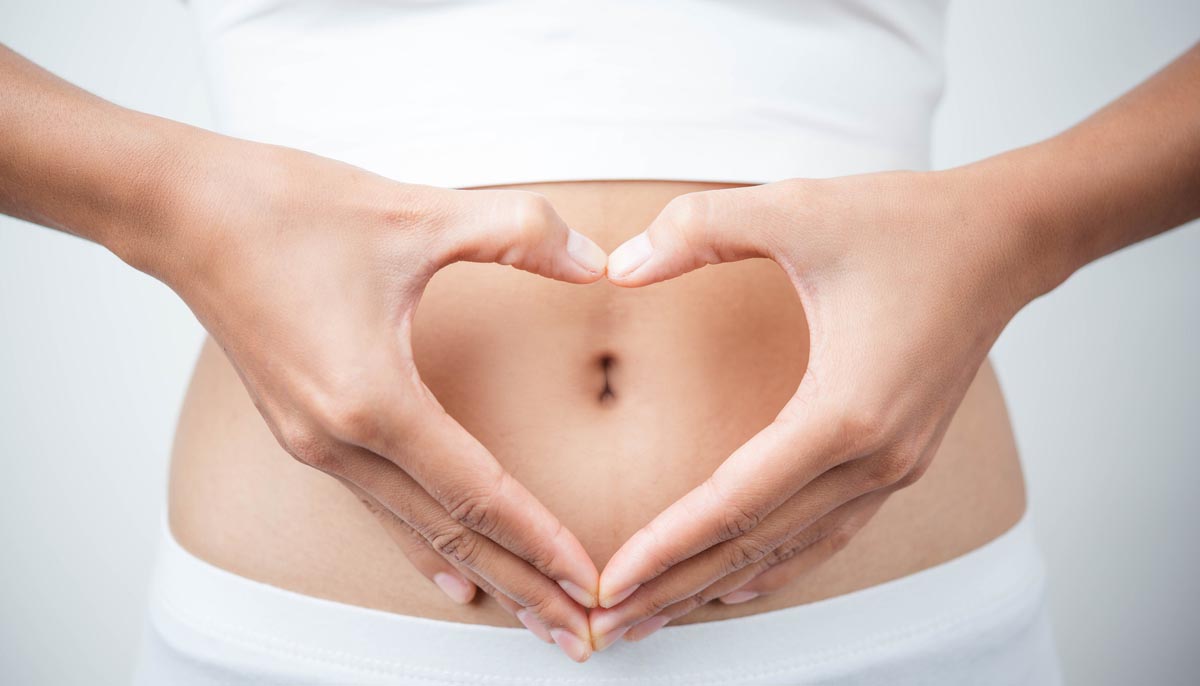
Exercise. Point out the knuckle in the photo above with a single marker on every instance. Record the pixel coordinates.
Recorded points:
(542, 556)
(686, 217)
(473, 509)
(460, 545)
(737, 521)
(690, 603)
(543, 607)
(797, 545)
(785, 552)
(887, 470)
(687, 210)
(793, 547)
(309, 447)
(655, 604)
(526, 218)
(353, 422)
(862, 430)
(742, 553)
(472, 512)
(345, 415)
(660, 561)
(532, 212)
(913, 475)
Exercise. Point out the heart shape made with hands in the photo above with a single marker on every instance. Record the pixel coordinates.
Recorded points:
(526, 316)
(455, 375)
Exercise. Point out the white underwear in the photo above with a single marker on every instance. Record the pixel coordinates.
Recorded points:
(978, 619)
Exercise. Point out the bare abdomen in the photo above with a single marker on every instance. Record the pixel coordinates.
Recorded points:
(606, 403)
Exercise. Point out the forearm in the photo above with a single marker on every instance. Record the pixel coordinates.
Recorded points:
(1129, 172)
(74, 162)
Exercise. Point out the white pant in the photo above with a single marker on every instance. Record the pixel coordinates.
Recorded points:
(979, 619)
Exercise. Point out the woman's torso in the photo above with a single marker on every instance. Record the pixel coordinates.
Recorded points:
(606, 403)
(512, 91)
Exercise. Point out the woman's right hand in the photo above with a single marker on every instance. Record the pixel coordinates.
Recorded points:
(307, 272)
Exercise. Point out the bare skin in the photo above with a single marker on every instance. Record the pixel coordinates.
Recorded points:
(308, 273)
(696, 366)
(907, 279)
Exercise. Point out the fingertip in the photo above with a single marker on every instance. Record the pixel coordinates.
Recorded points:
(617, 597)
(579, 594)
(535, 627)
(738, 597)
(574, 569)
(640, 631)
(608, 626)
(457, 588)
(603, 641)
(621, 576)
(575, 647)
(629, 257)
(586, 254)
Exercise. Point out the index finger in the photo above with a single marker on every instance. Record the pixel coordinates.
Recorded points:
(465, 478)
(759, 476)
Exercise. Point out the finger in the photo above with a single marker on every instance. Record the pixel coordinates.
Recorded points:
(814, 546)
(452, 466)
(693, 230)
(432, 559)
(799, 556)
(803, 517)
(524, 615)
(509, 575)
(758, 477)
(426, 561)
(460, 585)
(521, 229)
(514, 608)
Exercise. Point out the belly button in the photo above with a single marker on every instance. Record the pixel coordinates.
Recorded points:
(606, 362)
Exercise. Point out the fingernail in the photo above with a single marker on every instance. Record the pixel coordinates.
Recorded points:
(571, 644)
(616, 598)
(532, 623)
(586, 253)
(603, 622)
(631, 255)
(460, 590)
(640, 631)
(608, 639)
(584, 598)
(738, 597)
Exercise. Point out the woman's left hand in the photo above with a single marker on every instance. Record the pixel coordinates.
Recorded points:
(906, 278)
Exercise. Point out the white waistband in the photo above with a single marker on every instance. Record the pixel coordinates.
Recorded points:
(982, 601)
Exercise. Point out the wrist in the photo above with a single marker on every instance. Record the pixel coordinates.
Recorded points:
(197, 189)
(1012, 201)
(147, 228)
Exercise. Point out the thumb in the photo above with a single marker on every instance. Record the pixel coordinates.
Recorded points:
(694, 229)
(522, 229)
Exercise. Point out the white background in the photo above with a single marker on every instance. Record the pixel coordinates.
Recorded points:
(1101, 376)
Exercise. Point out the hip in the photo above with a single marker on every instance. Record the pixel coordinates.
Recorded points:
(980, 618)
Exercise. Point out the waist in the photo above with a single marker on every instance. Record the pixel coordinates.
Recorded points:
(608, 404)
(979, 618)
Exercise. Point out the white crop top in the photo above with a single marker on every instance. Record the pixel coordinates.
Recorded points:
(466, 93)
